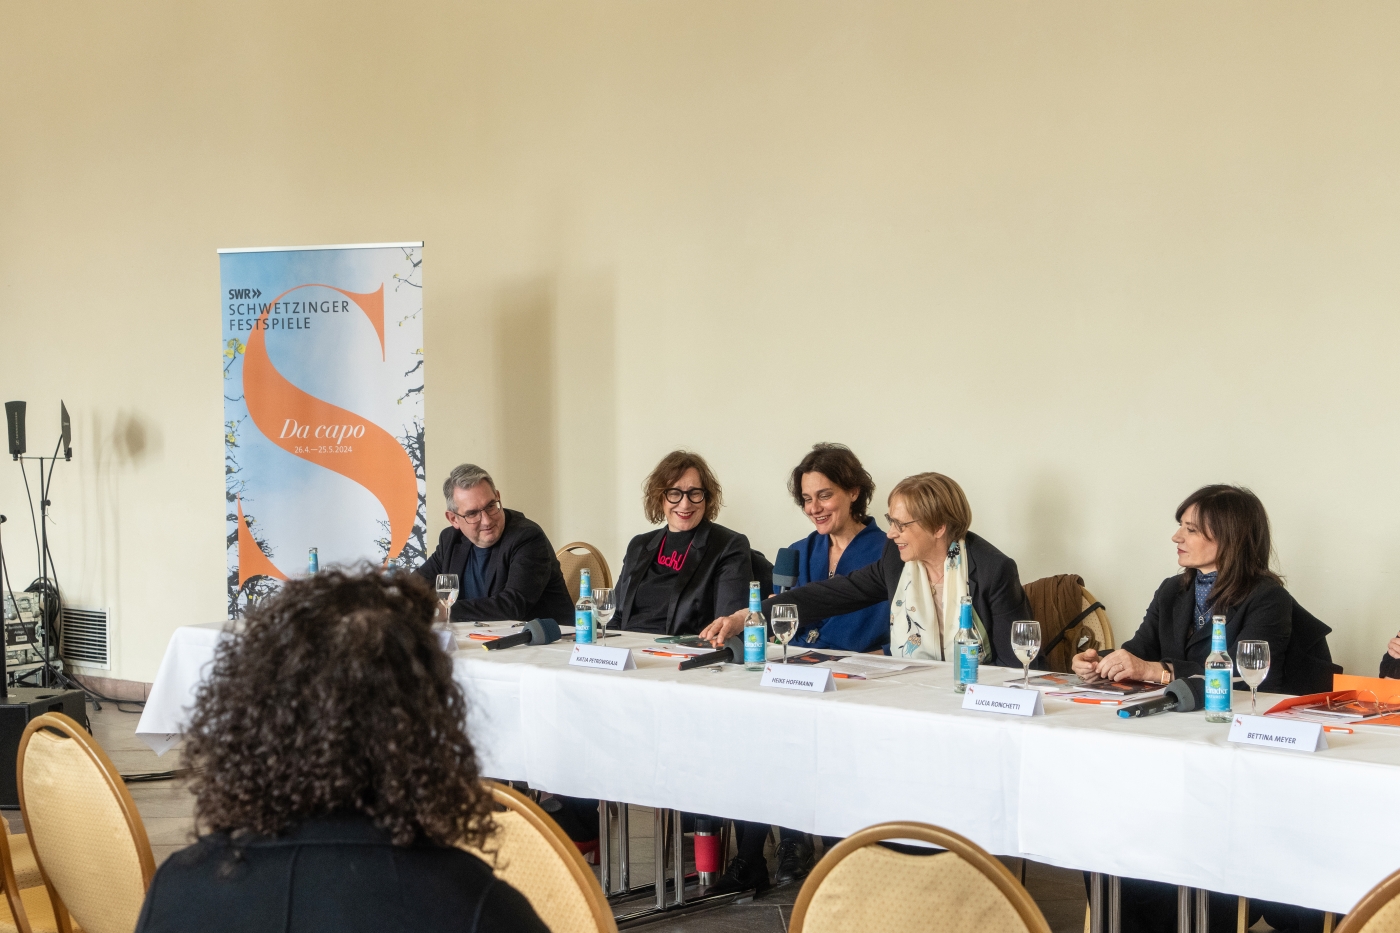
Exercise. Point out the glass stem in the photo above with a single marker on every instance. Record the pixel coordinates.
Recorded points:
(1253, 695)
(1026, 675)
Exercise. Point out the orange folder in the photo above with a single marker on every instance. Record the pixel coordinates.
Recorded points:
(1346, 687)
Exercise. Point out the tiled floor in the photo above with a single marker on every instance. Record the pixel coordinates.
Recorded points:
(167, 808)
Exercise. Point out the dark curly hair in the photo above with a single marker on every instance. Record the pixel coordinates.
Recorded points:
(837, 463)
(337, 698)
(667, 473)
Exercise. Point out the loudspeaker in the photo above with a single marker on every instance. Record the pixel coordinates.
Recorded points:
(22, 705)
(14, 421)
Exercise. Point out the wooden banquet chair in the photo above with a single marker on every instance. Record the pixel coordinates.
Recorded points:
(26, 907)
(1377, 912)
(88, 839)
(1070, 618)
(531, 853)
(578, 555)
(860, 886)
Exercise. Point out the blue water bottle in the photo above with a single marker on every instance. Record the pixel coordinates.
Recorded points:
(583, 611)
(755, 632)
(1219, 670)
(969, 647)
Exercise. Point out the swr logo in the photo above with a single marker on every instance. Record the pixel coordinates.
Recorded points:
(235, 293)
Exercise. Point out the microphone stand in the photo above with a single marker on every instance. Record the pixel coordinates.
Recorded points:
(4, 623)
(47, 586)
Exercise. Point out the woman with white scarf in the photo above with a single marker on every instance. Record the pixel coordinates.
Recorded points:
(930, 562)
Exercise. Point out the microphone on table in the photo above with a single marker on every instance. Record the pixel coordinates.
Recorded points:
(536, 632)
(1183, 695)
(731, 653)
(785, 569)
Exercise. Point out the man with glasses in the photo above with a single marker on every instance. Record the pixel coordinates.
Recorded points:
(505, 565)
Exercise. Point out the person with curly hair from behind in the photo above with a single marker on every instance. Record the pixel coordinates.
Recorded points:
(334, 779)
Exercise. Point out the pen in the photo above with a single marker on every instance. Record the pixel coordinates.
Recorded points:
(665, 654)
(1337, 729)
(481, 636)
(846, 676)
(1096, 702)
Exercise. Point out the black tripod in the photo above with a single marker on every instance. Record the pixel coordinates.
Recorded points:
(50, 602)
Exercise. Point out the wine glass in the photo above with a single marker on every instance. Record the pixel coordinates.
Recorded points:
(1025, 642)
(784, 624)
(1252, 659)
(603, 608)
(447, 593)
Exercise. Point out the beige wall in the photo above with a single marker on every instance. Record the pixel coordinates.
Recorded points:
(1081, 256)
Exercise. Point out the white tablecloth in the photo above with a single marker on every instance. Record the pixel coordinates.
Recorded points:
(1165, 798)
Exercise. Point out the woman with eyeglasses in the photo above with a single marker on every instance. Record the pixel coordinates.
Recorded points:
(930, 561)
(676, 579)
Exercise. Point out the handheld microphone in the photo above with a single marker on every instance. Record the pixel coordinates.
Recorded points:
(1183, 695)
(785, 569)
(731, 653)
(536, 632)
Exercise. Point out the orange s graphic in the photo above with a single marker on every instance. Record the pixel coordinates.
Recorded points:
(377, 462)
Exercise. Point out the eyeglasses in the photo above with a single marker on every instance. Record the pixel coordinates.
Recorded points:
(898, 527)
(674, 495)
(476, 515)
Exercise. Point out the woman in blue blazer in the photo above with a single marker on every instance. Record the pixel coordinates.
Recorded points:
(834, 490)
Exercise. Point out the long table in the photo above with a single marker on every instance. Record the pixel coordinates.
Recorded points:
(1164, 798)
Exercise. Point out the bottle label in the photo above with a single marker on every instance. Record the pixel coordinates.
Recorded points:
(967, 663)
(585, 586)
(1217, 691)
(754, 649)
(583, 626)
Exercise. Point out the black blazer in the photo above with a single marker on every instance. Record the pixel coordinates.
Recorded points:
(992, 581)
(522, 575)
(337, 875)
(1390, 667)
(714, 581)
(1168, 632)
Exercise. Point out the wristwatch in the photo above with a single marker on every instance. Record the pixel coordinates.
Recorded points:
(1166, 673)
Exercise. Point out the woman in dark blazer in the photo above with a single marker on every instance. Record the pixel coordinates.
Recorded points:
(676, 579)
(333, 779)
(1222, 544)
(929, 517)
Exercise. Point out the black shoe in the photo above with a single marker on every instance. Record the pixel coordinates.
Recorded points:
(741, 876)
(794, 860)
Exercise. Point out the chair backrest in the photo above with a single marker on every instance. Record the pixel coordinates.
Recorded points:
(532, 854)
(1071, 619)
(1307, 664)
(860, 886)
(18, 915)
(87, 836)
(1378, 911)
(575, 557)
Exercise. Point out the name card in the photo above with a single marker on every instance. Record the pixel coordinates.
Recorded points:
(447, 639)
(1292, 734)
(798, 677)
(984, 698)
(603, 658)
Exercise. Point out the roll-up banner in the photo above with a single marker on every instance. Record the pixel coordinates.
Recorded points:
(323, 410)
